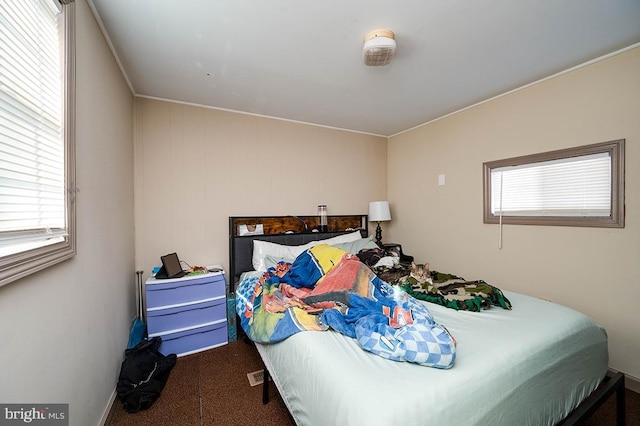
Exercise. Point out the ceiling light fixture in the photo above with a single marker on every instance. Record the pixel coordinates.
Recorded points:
(379, 47)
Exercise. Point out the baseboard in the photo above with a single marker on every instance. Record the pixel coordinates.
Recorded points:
(105, 415)
(630, 382)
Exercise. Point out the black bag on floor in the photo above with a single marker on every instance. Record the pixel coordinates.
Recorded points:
(143, 374)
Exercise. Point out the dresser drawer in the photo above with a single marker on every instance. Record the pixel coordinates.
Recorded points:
(185, 316)
(194, 340)
(168, 293)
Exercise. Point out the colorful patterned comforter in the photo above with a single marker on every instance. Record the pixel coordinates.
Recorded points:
(328, 288)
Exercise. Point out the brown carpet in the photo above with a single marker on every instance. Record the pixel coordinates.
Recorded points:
(211, 388)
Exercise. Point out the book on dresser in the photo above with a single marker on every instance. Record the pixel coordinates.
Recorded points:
(188, 313)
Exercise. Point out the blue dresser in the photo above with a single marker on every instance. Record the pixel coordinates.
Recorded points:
(189, 313)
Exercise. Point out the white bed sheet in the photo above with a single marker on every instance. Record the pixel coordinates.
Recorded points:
(529, 366)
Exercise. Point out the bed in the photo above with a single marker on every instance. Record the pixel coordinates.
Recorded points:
(538, 363)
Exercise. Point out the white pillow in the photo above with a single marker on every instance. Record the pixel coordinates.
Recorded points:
(272, 261)
(346, 238)
(261, 249)
(354, 247)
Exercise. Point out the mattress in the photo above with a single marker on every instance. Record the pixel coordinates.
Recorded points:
(528, 366)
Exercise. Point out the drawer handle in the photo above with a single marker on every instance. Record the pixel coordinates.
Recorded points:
(188, 285)
(181, 312)
(192, 334)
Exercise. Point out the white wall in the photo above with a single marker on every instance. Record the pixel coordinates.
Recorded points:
(594, 270)
(64, 329)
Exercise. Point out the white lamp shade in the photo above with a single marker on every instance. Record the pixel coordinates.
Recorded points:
(379, 211)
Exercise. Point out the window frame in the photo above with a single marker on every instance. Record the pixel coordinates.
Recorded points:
(21, 264)
(615, 150)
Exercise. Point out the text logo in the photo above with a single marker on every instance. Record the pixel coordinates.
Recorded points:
(34, 414)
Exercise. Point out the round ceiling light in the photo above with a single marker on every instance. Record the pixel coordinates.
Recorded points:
(379, 47)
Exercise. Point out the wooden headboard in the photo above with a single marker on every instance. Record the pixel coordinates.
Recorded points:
(286, 230)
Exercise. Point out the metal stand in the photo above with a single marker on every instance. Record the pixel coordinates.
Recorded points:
(612, 383)
(379, 235)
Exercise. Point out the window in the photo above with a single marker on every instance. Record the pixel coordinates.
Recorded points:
(581, 186)
(37, 136)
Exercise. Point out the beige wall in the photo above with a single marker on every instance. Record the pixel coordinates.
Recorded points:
(594, 270)
(64, 329)
(195, 167)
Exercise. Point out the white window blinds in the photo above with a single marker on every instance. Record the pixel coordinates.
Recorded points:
(571, 187)
(32, 146)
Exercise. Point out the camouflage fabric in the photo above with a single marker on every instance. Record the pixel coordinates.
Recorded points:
(447, 290)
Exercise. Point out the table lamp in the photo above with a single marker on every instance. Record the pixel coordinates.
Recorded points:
(379, 212)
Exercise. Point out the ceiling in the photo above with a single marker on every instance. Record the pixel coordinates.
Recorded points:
(302, 60)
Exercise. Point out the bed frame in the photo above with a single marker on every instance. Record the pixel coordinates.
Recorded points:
(286, 230)
(297, 230)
